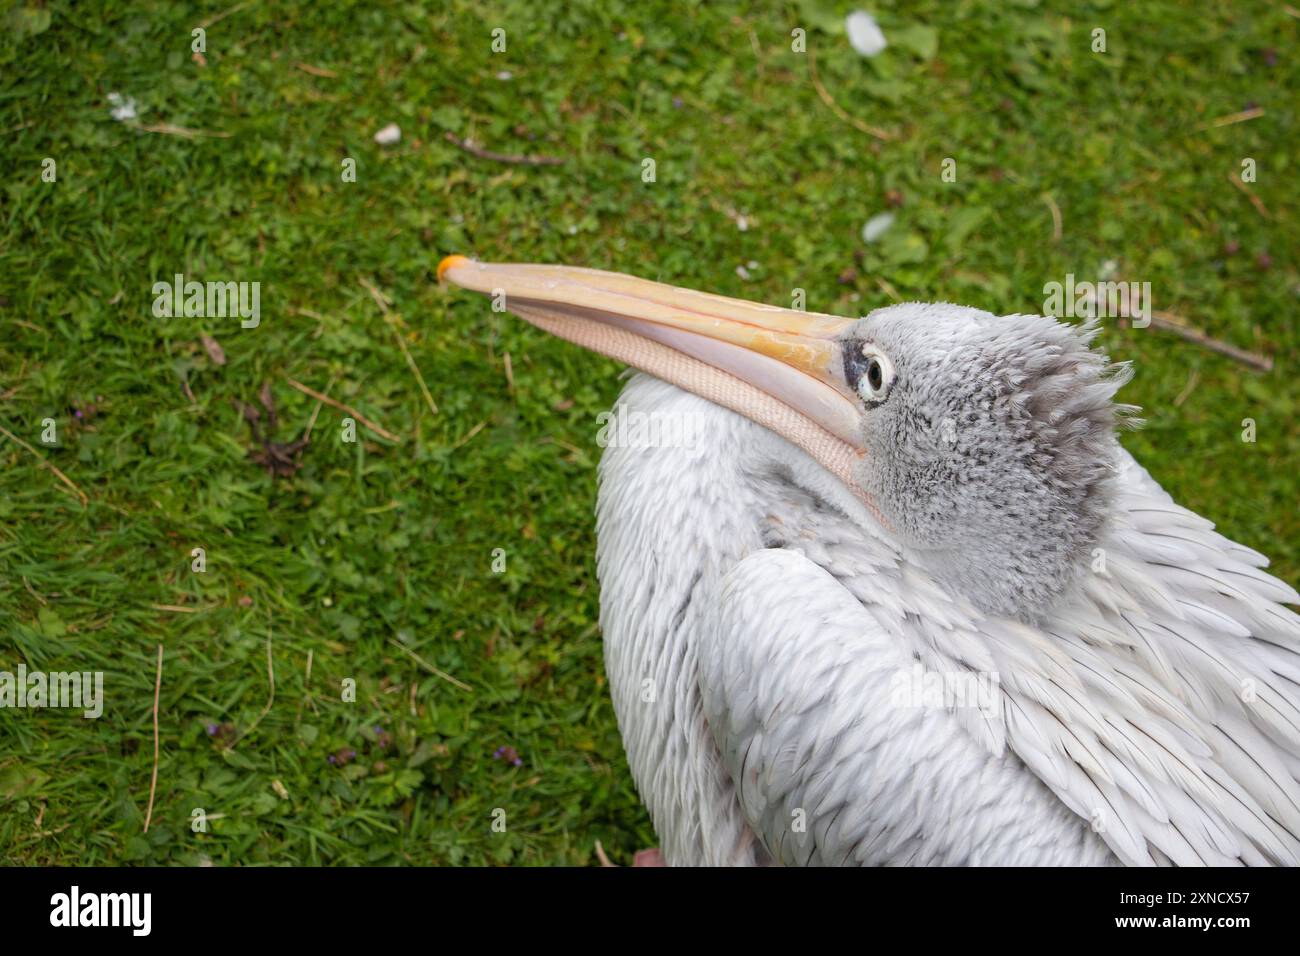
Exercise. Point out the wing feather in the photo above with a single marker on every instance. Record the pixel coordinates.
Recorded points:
(831, 765)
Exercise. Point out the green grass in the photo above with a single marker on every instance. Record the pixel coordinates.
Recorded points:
(375, 548)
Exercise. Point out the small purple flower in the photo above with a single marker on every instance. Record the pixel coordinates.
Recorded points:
(508, 754)
(77, 412)
(212, 729)
(333, 759)
(518, 761)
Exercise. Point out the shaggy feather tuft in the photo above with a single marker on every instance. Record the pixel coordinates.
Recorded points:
(994, 450)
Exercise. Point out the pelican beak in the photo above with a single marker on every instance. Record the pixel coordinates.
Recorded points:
(780, 367)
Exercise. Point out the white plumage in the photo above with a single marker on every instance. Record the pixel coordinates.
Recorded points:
(802, 674)
(1121, 733)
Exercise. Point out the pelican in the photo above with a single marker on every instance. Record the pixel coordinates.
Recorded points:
(906, 600)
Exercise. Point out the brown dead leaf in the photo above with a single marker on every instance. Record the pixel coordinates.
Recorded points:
(213, 348)
(316, 70)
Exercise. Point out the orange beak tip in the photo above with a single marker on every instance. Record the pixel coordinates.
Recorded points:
(450, 262)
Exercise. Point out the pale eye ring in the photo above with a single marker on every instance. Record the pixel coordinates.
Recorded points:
(877, 374)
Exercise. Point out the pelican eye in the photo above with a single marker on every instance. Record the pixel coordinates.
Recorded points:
(874, 374)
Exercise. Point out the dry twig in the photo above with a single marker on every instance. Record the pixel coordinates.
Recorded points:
(1056, 216)
(153, 782)
(1253, 113)
(172, 130)
(333, 403)
(1255, 201)
(1180, 327)
(270, 676)
(223, 14)
(826, 98)
(383, 302)
(429, 667)
(45, 464)
(474, 149)
(316, 70)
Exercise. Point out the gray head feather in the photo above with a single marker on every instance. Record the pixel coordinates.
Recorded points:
(993, 450)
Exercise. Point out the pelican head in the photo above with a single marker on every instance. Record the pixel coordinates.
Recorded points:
(983, 445)
(988, 443)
